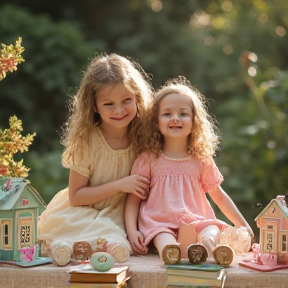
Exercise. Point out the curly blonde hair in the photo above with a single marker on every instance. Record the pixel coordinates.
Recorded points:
(203, 141)
(103, 71)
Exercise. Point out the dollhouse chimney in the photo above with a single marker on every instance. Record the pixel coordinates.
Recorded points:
(282, 199)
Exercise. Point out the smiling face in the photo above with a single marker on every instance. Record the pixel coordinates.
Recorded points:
(175, 116)
(116, 106)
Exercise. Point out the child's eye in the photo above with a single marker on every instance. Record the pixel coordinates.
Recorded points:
(184, 114)
(108, 104)
(127, 100)
(166, 114)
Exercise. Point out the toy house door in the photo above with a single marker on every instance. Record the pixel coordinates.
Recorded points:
(269, 235)
(25, 232)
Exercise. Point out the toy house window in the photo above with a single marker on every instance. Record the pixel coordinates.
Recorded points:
(6, 229)
(6, 234)
(284, 246)
(269, 226)
(269, 242)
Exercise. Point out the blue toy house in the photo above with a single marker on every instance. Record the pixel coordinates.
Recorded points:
(20, 206)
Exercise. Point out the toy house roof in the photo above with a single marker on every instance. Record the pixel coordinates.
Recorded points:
(12, 188)
(280, 203)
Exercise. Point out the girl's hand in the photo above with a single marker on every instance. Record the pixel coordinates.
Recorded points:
(135, 184)
(136, 240)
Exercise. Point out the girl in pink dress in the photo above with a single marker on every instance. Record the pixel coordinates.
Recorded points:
(181, 141)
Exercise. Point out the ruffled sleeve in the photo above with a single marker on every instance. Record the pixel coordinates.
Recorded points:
(142, 165)
(80, 161)
(210, 176)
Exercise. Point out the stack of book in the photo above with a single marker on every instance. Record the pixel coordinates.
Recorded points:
(201, 275)
(87, 277)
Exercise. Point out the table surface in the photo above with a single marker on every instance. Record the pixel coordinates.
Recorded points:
(147, 272)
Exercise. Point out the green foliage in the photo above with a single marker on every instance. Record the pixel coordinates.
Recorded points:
(12, 142)
(256, 168)
(55, 55)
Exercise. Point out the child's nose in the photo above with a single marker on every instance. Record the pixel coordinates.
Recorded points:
(118, 109)
(175, 118)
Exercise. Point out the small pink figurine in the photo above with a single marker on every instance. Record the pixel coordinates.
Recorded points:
(27, 253)
(256, 254)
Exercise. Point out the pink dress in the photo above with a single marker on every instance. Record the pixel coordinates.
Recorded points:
(177, 194)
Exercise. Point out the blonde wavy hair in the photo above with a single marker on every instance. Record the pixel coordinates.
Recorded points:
(203, 141)
(103, 71)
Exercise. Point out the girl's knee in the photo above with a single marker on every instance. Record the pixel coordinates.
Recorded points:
(212, 231)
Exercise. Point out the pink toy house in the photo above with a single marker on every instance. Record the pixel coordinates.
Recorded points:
(273, 225)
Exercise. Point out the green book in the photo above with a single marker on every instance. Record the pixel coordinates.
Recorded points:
(198, 267)
(201, 273)
(188, 281)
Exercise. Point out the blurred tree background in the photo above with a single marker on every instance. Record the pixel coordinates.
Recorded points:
(234, 52)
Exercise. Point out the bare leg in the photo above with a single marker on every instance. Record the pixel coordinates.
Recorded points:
(211, 231)
(168, 248)
(209, 237)
(163, 239)
(222, 254)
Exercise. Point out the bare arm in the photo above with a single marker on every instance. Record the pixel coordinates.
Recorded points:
(81, 194)
(229, 209)
(135, 237)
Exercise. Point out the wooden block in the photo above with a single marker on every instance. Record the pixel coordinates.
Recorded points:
(187, 236)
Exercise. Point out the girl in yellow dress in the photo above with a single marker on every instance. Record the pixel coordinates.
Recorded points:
(101, 140)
